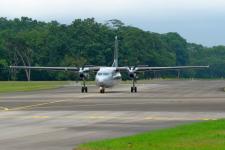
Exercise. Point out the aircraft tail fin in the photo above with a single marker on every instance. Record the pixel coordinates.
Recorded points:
(115, 62)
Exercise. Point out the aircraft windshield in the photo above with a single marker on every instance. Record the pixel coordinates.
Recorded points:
(103, 74)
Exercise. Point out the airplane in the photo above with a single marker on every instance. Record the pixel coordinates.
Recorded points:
(108, 77)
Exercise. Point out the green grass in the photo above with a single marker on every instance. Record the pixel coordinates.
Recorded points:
(208, 135)
(19, 86)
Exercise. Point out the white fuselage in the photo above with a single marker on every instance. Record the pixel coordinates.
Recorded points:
(107, 77)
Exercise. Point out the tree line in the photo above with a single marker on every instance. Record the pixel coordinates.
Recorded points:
(24, 41)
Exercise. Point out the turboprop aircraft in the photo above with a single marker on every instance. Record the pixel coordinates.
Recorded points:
(107, 77)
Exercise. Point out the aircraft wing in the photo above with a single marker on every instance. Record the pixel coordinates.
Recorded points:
(72, 69)
(46, 68)
(144, 68)
(168, 68)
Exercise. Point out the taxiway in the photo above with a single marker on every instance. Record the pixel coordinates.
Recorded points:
(62, 118)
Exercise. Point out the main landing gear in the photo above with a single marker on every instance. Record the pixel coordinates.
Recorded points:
(133, 89)
(84, 88)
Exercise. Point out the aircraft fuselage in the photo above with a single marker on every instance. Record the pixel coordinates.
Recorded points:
(107, 77)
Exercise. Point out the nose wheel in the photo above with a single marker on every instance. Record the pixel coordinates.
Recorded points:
(102, 90)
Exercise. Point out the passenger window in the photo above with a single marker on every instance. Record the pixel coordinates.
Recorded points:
(99, 74)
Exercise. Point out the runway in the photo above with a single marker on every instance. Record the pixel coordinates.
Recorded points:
(60, 119)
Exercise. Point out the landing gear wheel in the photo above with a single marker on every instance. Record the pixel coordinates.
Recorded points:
(102, 90)
(84, 89)
(133, 89)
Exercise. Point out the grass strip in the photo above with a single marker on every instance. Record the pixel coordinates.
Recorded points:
(208, 135)
(21, 86)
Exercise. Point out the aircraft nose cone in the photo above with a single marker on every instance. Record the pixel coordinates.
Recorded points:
(100, 81)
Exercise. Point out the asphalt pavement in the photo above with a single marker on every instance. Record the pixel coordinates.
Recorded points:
(59, 119)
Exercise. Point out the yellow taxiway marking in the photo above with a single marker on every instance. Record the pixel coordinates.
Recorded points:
(177, 118)
(207, 119)
(36, 105)
(96, 117)
(41, 104)
(4, 108)
(40, 117)
(102, 117)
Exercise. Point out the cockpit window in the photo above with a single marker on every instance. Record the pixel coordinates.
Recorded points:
(105, 74)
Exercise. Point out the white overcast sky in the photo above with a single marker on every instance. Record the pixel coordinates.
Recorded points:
(199, 21)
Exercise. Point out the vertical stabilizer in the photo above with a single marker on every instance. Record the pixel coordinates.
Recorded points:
(115, 62)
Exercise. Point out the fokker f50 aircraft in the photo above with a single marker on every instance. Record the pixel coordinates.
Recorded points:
(107, 77)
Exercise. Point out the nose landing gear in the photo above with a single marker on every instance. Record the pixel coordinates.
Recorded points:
(102, 90)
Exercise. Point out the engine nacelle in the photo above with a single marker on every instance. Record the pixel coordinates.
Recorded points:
(132, 74)
(83, 73)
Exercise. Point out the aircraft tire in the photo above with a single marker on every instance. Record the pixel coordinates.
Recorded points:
(102, 91)
(135, 89)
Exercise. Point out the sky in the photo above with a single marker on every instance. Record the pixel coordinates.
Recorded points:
(198, 21)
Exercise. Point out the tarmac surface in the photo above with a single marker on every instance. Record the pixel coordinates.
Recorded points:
(59, 119)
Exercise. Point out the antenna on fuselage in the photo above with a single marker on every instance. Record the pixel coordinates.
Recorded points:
(115, 62)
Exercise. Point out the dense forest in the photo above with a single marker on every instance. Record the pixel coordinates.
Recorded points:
(30, 42)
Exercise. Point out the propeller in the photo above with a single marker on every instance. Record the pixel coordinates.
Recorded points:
(83, 72)
(132, 72)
